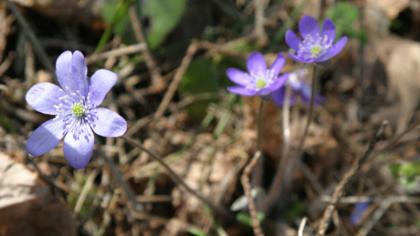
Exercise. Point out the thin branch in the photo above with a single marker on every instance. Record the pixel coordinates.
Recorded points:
(248, 192)
(157, 79)
(131, 49)
(192, 49)
(175, 177)
(339, 189)
(259, 8)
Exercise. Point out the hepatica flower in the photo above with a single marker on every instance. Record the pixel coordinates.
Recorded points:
(315, 45)
(75, 107)
(299, 89)
(258, 80)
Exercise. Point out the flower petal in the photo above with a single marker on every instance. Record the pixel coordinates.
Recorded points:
(238, 76)
(334, 50)
(280, 81)
(328, 29)
(278, 97)
(108, 123)
(256, 64)
(241, 91)
(78, 146)
(278, 64)
(71, 72)
(44, 97)
(308, 25)
(292, 40)
(45, 137)
(301, 59)
(100, 84)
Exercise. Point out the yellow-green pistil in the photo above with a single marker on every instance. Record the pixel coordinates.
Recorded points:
(316, 50)
(260, 83)
(78, 110)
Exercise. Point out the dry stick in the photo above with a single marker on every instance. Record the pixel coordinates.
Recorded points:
(339, 189)
(150, 61)
(277, 185)
(175, 177)
(176, 80)
(131, 49)
(37, 45)
(248, 192)
(259, 8)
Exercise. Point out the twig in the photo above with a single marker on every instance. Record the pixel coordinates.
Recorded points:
(136, 48)
(37, 46)
(339, 189)
(302, 226)
(259, 7)
(175, 177)
(157, 79)
(192, 49)
(248, 192)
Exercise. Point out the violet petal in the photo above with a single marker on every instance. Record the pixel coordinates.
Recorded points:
(334, 50)
(278, 64)
(238, 76)
(308, 25)
(45, 137)
(78, 146)
(292, 40)
(100, 84)
(44, 97)
(241, 91)
(108, 123)
(256, 63)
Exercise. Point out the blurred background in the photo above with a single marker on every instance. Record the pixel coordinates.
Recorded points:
(171, 57)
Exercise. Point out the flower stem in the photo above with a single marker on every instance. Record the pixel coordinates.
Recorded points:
(259, 123)
(175, 177)
(280, 184)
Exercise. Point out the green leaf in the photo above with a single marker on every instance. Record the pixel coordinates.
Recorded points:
(201, 77)
(245, 218)
(344, 15)
(164, 15)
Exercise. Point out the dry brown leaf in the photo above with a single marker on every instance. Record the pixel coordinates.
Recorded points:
(27, 206)
(401, 58)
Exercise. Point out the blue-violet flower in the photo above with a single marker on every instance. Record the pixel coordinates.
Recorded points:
(299, 88)
(314, 45)
(259, 80)
(76, 111)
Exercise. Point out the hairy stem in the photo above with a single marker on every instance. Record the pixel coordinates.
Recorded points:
(279, 184)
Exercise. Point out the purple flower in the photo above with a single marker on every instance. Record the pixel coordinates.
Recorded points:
(259, 80)
(299, 88)
(76, 111)
(314, 45)
(359, 212)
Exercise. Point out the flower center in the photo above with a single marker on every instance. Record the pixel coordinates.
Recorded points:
(316, 50)
(78, 110)
(260, 83)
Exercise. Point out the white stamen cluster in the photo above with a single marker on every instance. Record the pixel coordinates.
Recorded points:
(313, 46)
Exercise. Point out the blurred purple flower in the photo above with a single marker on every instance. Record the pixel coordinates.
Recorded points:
(299, 88)
(259, 80)
(314, 45)
(76, 111)
(358, 213)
